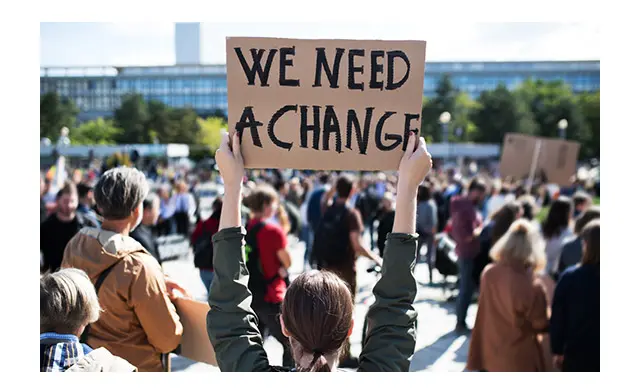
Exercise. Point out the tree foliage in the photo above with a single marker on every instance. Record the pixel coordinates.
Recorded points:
(56, 113)
(499, 112)
(96, 132)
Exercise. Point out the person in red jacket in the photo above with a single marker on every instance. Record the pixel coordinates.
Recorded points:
(202, 245)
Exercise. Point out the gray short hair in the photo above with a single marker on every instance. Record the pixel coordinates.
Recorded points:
(68, 301)
(120, 191)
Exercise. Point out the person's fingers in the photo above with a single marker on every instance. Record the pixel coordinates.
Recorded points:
(423, 145)
(236, 145)
(224, 144)
(411, 145)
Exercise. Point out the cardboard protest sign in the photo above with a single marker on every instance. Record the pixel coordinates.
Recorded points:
(195, 344)
(324, 104)
(557, 159)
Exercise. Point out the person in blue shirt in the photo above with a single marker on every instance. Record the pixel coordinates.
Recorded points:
(68, 304)
(575, 318)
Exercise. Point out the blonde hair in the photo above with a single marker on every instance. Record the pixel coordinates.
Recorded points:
(68, 301)
(522, 246)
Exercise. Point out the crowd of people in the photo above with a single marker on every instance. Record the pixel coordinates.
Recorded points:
(537, 282)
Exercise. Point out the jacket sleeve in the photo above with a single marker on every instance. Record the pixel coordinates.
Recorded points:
(391, 338)
(231, 323)
(538, 315)
(557, 325)
(153, 308)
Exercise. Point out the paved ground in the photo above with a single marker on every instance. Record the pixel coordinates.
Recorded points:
(437, 348)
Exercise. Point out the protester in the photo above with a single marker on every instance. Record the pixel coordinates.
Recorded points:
(183, 207)
(581, 201)
(166, 222)
(144, 233)
(575, 319)
(368, 203)
(499, 196)
(317, 310)
(427, 225)
(268, 248)
(556, 229)
(293, 218)
(512, 308)
(86, 203)
(58, 229)
(68, 304)
(571, 252)
(314, 211)
(43, 205)
(201, 240)
(496, 227)
(385, 217)
(465, 219)
(139, 322)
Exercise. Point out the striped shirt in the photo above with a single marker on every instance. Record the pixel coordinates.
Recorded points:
(58, 352)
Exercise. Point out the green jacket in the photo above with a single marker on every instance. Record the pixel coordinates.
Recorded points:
(233, 326)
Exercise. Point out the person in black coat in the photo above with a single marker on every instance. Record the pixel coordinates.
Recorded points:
(575, 317)
(144, 233)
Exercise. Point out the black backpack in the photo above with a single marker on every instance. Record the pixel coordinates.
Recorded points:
(203, 250)
(331, 239)
(257, 282)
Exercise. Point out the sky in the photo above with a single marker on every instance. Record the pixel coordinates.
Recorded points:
(146, 44)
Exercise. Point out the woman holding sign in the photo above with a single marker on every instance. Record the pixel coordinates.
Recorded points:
(317, 311)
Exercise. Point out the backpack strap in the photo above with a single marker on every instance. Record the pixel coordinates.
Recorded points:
(103, 275)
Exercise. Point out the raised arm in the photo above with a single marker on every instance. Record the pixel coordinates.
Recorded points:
(391, 339)
(231, 323)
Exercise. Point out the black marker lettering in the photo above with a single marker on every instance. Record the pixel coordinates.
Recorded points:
(305, 127)
(331, 126)
(256, 54)
(272, 123)
(284, 62)
(248, 120)
(376, 69)
(355, 69)
(361, 135)
(407, 128)
(397, 138)
(391, 56)
(321, 63)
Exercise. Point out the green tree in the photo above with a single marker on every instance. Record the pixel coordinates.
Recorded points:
(96, 132)
(132, 117)
(184, 126)
(444, 100)
(159, 124)
(56, 113)
(590, 106)
(211, 131)
(499, 112)
(461, 119)
(550, 102)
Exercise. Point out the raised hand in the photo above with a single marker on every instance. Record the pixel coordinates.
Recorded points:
(230, 162)
(415, 163)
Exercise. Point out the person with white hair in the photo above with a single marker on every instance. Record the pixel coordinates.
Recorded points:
(68, 304)
(140, 322)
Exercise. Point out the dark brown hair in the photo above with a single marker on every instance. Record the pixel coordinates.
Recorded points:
(503, 218)
(587, 216)
(67, 189)
(317, 311)
(558, 218)
(424, 192)
(344, 185)
(260, 197)
(591, 237)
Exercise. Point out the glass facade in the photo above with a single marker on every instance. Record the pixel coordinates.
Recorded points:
(98, 91)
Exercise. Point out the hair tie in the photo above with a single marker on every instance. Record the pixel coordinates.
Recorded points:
(316, 355)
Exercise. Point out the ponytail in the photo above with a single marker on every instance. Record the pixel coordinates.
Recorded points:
(319, 363)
